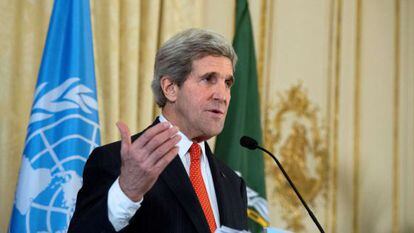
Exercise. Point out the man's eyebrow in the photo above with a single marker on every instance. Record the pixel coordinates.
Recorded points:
(213, 73)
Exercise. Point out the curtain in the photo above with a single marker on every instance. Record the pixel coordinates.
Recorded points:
(126, 37)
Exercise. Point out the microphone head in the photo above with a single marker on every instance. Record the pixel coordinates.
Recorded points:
(248, 142)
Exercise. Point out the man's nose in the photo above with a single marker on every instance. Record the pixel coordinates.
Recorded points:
(221, 92)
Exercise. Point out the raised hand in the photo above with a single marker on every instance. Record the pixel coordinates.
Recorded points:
(145, 158)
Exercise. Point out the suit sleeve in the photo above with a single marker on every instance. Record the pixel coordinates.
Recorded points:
(91, 213)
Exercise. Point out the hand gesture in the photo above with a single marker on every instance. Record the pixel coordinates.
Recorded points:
(145, 158)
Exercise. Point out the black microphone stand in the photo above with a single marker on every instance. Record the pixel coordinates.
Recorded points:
(315, 220)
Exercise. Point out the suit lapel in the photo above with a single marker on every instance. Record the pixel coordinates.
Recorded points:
(177, 180)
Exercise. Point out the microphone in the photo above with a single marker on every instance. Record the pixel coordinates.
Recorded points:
(248, 142)
(252, 144)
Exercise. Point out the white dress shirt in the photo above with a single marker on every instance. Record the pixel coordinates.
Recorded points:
(121, 208)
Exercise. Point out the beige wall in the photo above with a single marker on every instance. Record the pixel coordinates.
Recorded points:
(354, 62)
(336, 83)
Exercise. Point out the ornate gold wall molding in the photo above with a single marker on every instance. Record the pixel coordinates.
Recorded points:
(295, 132)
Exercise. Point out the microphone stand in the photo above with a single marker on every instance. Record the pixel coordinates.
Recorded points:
(315, 220)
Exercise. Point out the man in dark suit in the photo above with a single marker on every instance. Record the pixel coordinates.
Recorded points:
(166, 179)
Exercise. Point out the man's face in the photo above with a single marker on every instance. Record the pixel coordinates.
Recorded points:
(203, 99)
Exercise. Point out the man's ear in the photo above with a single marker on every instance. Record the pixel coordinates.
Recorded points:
(169, 88)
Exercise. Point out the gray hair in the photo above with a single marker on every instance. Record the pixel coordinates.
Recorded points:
(175, 57)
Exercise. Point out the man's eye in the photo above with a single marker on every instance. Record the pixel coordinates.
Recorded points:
(209, 79)
(229, 83)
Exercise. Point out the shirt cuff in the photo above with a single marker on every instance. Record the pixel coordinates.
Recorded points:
(120, 207)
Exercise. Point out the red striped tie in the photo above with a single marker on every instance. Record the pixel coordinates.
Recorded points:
(198, 184)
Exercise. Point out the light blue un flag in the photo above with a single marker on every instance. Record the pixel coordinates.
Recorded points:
(63, 127)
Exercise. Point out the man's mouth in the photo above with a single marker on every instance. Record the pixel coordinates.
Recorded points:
(216, 111)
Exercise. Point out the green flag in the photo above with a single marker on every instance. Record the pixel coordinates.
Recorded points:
(243, 118)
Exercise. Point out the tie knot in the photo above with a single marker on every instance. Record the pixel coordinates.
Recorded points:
(195, 152)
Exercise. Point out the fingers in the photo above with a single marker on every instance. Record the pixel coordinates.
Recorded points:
(166, 159)
(160, 152)
(150, 133)
(159, 139)
(153, 145)
(125, 135)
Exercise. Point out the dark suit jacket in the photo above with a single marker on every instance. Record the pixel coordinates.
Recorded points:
(171, 205)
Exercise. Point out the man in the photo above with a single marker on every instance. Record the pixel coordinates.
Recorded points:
(166, 179)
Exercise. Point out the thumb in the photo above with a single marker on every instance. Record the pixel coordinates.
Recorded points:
(125, 135)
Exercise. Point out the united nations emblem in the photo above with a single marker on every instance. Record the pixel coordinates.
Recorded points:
(300, 144)
(63, 130)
